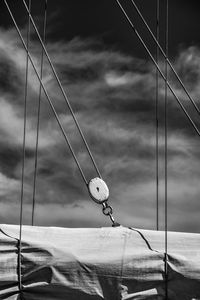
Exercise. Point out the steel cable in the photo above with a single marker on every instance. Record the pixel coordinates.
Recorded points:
(156, 113)
(24, 152)
(63, 92)
(38, 115)
(165, 56)
(159, 70)
(47, 95)
(166, 149)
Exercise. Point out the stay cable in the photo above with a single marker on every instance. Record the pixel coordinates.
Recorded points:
(38, 114)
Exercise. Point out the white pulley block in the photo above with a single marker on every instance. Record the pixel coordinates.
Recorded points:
(98, 190)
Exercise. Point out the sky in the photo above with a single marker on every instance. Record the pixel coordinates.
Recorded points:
(111, 84)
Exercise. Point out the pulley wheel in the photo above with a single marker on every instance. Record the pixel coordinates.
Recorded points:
(98, 190)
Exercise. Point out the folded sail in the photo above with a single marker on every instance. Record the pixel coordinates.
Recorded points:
(104, 263)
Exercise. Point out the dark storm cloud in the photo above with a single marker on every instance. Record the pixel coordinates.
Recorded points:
(8, 71)
(9, 157)
(113, 95)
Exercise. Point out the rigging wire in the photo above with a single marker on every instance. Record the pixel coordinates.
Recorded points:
(156, 113)
(165, 56)
(166, 147)
(38, 114)
(46, 94)
(63, 92)
(49, 99)
(24, 149)
(158, 68)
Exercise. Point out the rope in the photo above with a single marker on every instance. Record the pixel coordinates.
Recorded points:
(165, 56)
(38, 114)
(159, 70)
(156, 112)
(24, 153)
(166, 150)
(46, 94)
(63, 92)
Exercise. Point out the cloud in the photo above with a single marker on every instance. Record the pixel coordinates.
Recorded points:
(7, 185)
(113, 96)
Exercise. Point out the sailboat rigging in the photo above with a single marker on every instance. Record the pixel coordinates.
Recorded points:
(107, 263)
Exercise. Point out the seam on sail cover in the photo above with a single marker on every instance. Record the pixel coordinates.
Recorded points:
(146, 241)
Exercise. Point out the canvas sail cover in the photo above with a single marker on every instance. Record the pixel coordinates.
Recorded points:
(94, 264)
